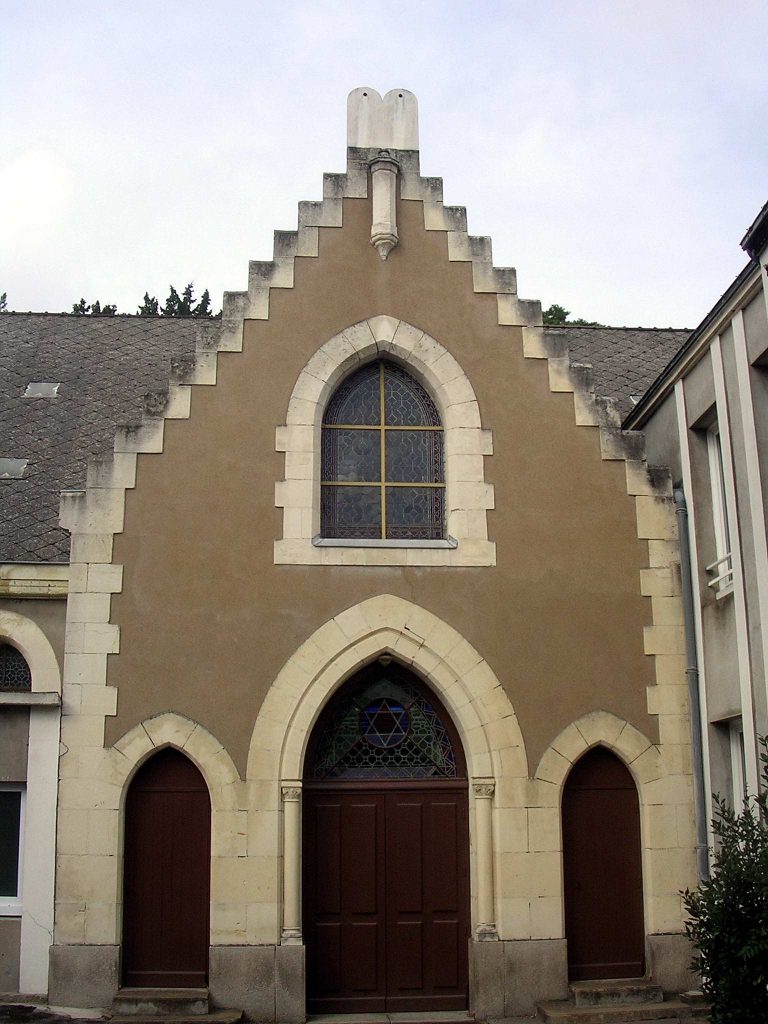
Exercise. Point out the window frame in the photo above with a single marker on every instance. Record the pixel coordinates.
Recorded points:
(738, 757)
(384, 482)
(11, 906)
(466, 445)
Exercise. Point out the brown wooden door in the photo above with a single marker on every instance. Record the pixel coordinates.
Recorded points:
(167, 875)
(602, 870)
(386, 915)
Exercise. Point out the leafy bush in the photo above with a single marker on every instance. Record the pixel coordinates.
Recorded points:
(728, 923)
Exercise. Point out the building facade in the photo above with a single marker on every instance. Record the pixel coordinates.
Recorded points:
(372, 660)
(705, 418)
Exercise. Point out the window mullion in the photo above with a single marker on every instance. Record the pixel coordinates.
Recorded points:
(383, 449)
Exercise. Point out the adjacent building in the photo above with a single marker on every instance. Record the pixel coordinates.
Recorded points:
(705, 418)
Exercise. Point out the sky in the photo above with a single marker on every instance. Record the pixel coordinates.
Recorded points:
(614, 151)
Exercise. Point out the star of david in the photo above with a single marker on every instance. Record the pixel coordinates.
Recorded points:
(384, 723)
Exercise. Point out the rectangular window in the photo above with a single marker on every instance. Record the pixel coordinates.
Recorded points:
(11, 831)
(738, 762)
(721, 569)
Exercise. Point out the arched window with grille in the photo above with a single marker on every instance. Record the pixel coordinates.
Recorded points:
(15, 674)
(382, 459)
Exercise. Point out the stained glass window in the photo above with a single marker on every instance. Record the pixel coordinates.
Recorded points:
(382, 461)
(14, 670)
(385, 727)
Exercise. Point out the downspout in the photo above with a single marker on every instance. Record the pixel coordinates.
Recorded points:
(692, 675)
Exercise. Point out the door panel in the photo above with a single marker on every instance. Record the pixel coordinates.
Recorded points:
(602, 869)
(344, 901)
(425, 844)
(445, 835)
(328, 859)
(401, 904)
(167, 875)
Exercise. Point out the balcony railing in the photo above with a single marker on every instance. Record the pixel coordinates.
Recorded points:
(722, 584)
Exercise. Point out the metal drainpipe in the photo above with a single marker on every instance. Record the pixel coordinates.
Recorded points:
(692, 675)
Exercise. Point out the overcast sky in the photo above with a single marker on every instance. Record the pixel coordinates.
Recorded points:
(614, 151)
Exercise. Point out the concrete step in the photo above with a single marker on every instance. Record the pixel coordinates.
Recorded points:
(161, 1002)
(565, 1012)
(615, 991)
(219, 1017)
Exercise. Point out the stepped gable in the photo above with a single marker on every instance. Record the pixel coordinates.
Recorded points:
(625, 361)
(111, 371)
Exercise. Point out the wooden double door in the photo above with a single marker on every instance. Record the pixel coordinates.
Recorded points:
(386, 897)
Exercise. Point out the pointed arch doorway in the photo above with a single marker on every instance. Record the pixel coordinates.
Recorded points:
(602, 870)
(166, 884)
(385, 850)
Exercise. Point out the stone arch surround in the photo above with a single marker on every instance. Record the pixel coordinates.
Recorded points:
(466, 684)
(468, 496)
(32, 642)
(664, 798)
(89, 879)
(386, 624)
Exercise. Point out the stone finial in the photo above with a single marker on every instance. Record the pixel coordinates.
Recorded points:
(384, 170)
(388, 123)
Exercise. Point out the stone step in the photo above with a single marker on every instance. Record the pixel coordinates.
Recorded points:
(565, 1012)
(218, 1017)
(399, 1017)
(615, 991)
(161, 1002)
(695, 997)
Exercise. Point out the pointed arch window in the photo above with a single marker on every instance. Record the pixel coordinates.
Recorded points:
(382, 459)
(384, 725)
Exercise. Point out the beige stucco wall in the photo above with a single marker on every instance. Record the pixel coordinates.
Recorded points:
(207, 621)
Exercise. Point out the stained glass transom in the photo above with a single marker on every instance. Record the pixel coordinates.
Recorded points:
(14, 670)
(382, 435)
(385, 729)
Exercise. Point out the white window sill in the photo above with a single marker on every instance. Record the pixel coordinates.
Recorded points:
(10, 909)
(362, 542)
(31, 698)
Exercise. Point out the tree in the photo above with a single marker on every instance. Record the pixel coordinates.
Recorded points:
(728, 923)
(149, 307)
(82, 308)
(557, 316)
(178, 305)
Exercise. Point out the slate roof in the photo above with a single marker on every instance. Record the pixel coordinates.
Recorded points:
(110, 368)
(625, 361)
(106, 367)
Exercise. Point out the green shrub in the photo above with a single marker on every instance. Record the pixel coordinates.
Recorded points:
(728, 923)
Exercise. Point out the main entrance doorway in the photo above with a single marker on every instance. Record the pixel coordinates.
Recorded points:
(602, 870)
(386, 844)
(167, 875)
